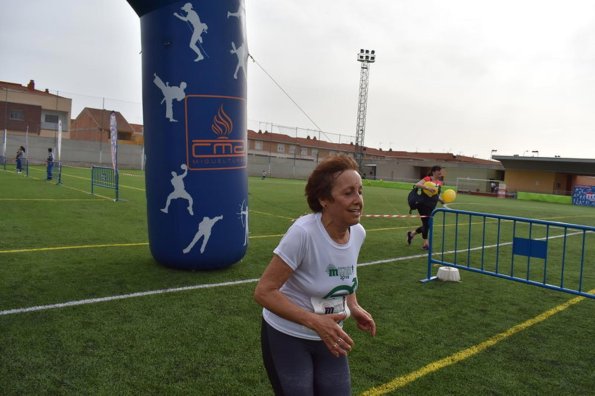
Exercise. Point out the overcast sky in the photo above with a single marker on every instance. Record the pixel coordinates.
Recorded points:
(459, 76)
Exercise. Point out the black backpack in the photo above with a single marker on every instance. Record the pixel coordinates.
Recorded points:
(414, 198)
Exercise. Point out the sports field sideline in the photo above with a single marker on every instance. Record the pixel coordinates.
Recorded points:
(85, 309)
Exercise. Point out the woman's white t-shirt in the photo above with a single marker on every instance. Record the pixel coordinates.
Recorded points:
(325, 272)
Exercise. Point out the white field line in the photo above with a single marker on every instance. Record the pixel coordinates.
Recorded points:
(213, 285)
(122, 297)
(170, 290)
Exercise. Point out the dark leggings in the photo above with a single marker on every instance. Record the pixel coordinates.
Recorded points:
(424, 210)
(300, 367)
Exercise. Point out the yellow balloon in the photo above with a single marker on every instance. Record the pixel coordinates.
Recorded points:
(449, 195)
(433, 185)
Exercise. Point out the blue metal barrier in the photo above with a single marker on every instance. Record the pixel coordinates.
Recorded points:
(105, 177)
(553, 255)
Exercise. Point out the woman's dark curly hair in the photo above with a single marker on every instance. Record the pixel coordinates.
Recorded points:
(434, 169)
(321, 181)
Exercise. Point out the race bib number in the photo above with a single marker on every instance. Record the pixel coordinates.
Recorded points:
(332, 305)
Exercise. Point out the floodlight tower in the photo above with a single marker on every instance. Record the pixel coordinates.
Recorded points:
(365, 57)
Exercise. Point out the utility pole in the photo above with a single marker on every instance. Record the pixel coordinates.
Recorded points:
(365, 57)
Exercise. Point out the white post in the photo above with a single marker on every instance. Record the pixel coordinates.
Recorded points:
(27, 141)
(142, 158)
(4, 145)
(59, 148)
(114, 140)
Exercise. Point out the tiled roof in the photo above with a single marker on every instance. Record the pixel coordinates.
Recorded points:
(23, 88)
(137, 128)
(101, 118)
(369, 151)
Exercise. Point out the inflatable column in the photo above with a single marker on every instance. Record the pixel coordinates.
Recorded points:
(194, 56)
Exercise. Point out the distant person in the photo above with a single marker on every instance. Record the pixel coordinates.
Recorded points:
(493, 187)
(19, 159)
(264, 174)
(50, 163)
(429, 199)
(309, 288)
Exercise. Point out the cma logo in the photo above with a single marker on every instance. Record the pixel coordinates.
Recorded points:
(219, 152)
(221, 147)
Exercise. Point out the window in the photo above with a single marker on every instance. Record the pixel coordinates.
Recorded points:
(292, 149)
(51, 118)
(314, 152)
(280, 148)
(17, 115)
(258, 145)
(304, 151)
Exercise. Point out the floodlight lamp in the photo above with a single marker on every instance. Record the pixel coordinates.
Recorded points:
(366, 56)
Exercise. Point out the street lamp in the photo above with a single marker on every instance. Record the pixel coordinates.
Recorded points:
(492, 153)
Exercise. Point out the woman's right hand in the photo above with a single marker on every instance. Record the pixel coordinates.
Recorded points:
(334, 337)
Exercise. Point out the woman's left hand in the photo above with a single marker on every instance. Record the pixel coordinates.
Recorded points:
(364, 320)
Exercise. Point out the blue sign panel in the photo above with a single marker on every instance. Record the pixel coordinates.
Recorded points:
(529, 247)
(584, 196)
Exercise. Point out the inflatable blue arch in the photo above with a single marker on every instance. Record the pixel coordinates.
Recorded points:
(194, 57)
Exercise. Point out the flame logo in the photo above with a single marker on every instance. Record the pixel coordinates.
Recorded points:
(222, 124)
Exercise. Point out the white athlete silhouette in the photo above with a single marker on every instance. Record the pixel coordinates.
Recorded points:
(197, 28)
(244, 218)
(179, 190)
(204, 230)
(242, 54)
(241, 15)
(169, 94)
